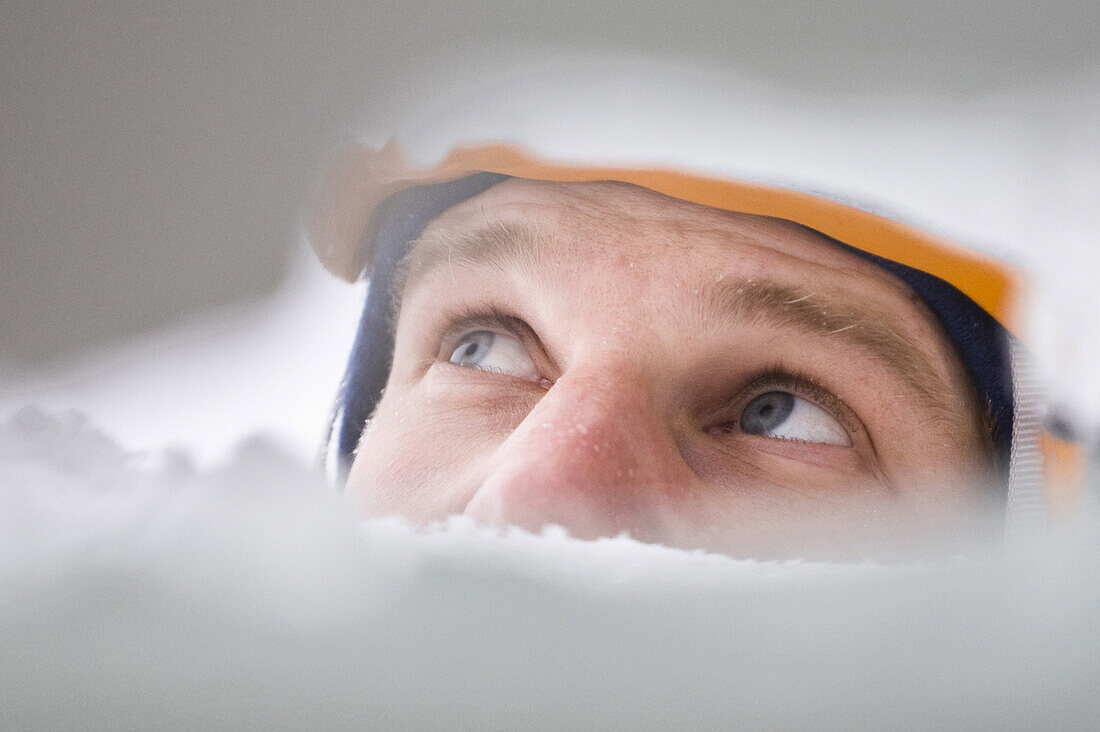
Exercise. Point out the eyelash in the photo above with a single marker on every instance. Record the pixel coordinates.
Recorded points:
(461, 322)
(776, 377)
(781, 378)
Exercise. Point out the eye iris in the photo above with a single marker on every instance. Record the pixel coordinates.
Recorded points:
(767, 412)
(473, 347)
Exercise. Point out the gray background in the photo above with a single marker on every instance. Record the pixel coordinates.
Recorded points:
(154, 159)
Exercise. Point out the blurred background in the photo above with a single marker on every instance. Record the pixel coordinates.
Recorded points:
(155, 161)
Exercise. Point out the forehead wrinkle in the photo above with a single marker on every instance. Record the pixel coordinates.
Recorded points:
(759, 302)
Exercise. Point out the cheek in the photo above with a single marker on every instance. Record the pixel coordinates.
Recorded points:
(943, 475)
(421, 458)
(936, 474)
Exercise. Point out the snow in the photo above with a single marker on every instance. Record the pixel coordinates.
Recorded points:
(270, 367)
(147, 593)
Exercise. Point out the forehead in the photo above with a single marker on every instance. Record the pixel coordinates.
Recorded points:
(614, 224)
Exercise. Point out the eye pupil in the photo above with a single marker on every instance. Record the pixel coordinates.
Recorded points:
(767, 412)
(473, 347)
(499, 353)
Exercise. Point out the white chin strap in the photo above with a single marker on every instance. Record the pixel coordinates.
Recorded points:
(1025, 517)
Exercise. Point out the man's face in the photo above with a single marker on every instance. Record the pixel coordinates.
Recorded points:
(611, 360)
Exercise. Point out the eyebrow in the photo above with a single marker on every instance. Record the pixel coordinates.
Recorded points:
(774, 304)
(499, 245)
(732, 302)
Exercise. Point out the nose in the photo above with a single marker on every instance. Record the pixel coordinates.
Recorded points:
(595, 455)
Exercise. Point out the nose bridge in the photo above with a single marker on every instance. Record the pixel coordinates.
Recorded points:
(612, 411)
(595, 455)
(605, 424)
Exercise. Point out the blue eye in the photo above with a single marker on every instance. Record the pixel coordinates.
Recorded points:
(500, 353)
(767, 412)
(473, 348)
(783, 415)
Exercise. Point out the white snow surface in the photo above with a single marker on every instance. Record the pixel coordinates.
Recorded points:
(138, 591)
(270, 367)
